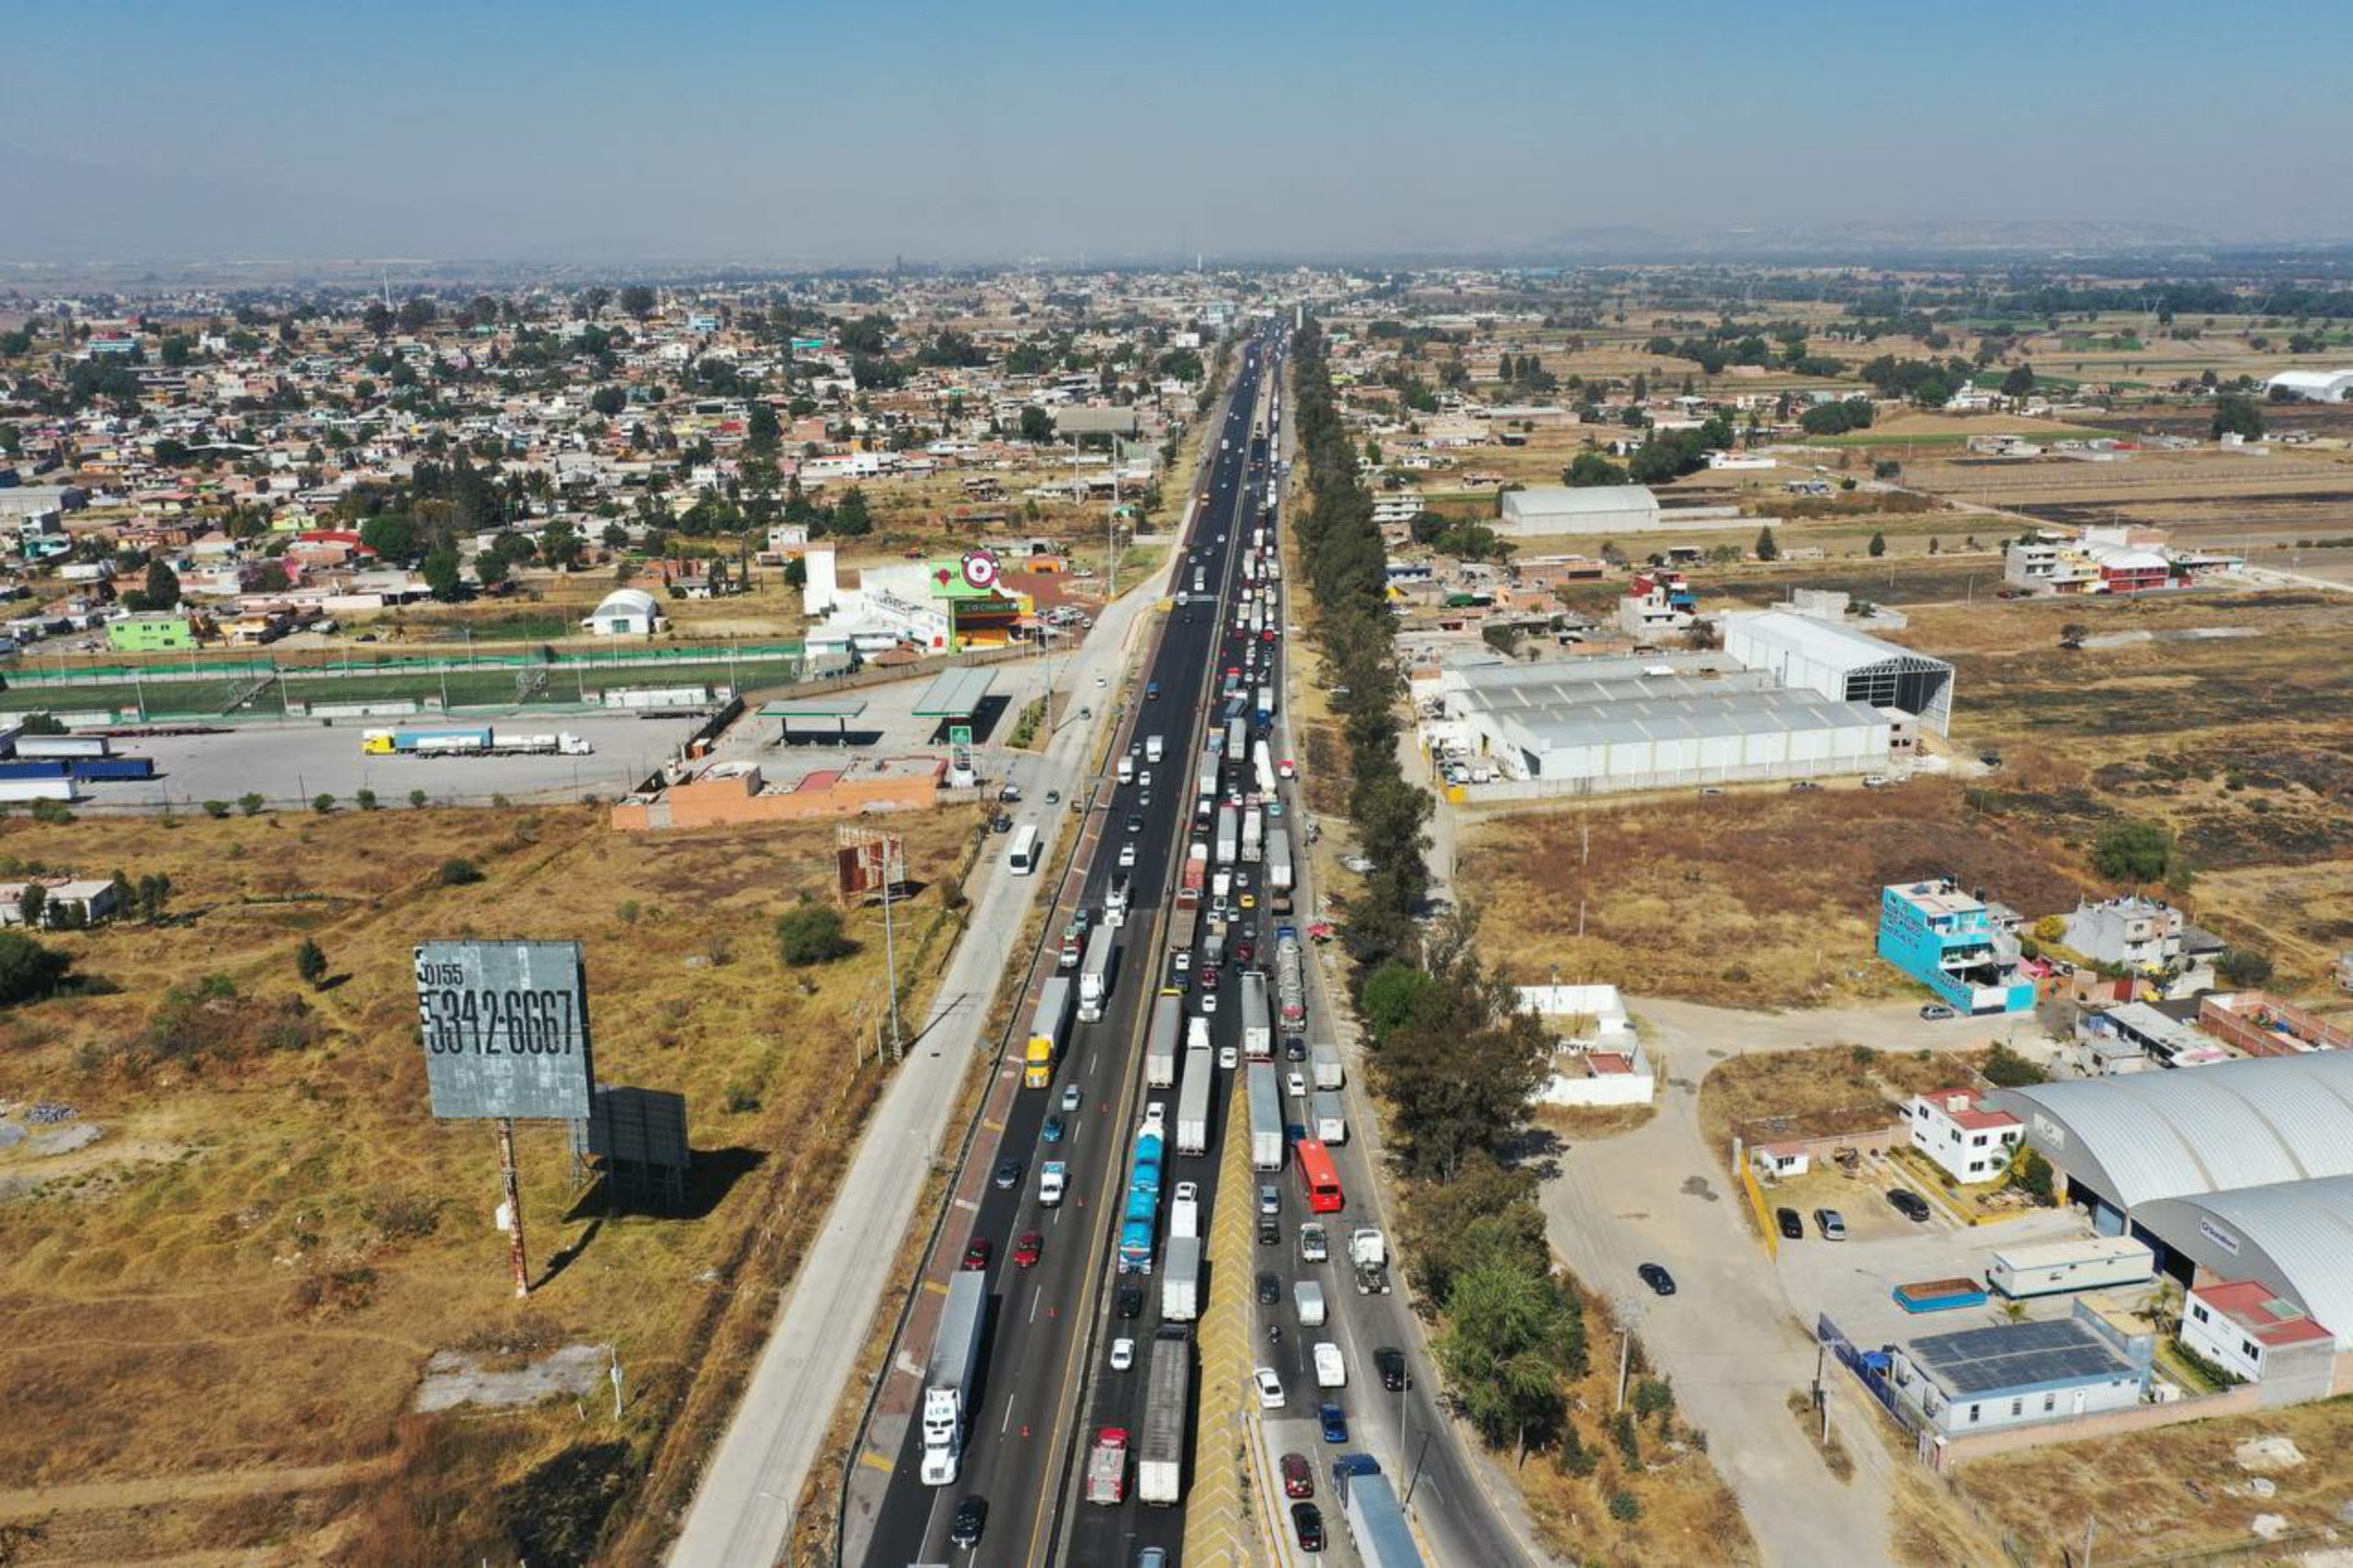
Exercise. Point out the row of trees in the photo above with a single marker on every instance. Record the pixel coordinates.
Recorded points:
(1457, 1063)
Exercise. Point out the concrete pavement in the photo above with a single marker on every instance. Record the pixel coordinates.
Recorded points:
(741, 1510)
(1733, 1341)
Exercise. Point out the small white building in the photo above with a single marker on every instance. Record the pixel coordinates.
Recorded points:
(66, 898)
(1603, 1062)
(626, 612)
(1968, 1144)
(2246, 1328)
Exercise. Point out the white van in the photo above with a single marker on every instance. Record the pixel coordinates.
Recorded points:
(1308, 1296)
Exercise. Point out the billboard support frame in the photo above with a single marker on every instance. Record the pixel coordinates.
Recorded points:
(517, 1253)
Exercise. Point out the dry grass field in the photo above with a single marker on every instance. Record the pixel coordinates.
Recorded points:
(219, 1310)
(2180, 1488)
(2241, 743)
(1757, 898)
(1819, 1092)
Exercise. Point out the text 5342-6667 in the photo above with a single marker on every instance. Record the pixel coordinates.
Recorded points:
(499, 1023)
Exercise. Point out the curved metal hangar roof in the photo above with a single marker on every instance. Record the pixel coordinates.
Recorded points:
(2191, 1130)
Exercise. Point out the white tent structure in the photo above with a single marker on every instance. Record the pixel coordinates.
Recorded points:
(626, 612)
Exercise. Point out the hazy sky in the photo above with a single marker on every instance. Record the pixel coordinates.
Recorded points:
(784, 132)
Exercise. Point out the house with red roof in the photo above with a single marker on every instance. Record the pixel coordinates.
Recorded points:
(2246, 1328)
(1968, 1142)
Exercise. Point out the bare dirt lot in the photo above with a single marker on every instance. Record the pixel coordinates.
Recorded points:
(221, 1309)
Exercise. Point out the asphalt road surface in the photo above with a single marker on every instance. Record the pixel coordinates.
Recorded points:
(1044, 1319)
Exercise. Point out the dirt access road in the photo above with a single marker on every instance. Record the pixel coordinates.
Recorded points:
(1734, 1343)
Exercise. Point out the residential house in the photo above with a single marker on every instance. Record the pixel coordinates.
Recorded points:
(2244, 1327)
(1967, 1142)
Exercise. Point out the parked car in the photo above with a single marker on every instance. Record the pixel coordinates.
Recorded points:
(1656, 1276)
(1936, 1011)
(1831, 1223)
(1298, 1476)
(1792, 1228)
(1909, 1204)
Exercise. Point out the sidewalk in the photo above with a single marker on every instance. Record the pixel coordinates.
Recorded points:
(742, 1508)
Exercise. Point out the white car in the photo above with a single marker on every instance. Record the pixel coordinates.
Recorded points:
(1228, 1055)
(1270, 1388)
(1127, 856)
(1123, 1353)
(1209, 1002)
(1295, 1084)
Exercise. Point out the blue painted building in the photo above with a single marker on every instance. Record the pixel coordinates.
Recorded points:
(1947, 940)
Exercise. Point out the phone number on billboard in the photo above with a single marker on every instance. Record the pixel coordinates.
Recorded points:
(499, 1023)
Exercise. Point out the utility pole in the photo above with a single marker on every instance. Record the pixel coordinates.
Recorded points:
(1625, 1356)
(890, 957)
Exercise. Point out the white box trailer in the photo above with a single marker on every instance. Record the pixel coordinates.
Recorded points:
(1180, 1279)
(1161, 1045)
(1325, 1058)
(1331, 1122)
(1193, 1099)
(1265, 1119)
(2094, 1263)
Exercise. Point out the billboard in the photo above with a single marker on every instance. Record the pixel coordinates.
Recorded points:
(505, 1029)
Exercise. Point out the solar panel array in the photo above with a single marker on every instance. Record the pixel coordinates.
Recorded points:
(2017, 1355)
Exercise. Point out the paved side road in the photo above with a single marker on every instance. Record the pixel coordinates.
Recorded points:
(739, 1515)
(1730, 1337)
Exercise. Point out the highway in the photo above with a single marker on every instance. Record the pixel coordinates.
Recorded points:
(1043, 1317)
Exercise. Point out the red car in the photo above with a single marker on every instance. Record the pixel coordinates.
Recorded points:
(976, 1253)
(1242, 952)
(1298, 1476)
(1028, 1250)
(1209, 979)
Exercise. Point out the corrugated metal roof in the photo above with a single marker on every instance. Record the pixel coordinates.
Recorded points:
(2181, 1132)
(954, 694)
(2301, 1230)
(1822, 642)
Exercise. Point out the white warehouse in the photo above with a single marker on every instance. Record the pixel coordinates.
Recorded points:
(1840, 665)
(1611, 724)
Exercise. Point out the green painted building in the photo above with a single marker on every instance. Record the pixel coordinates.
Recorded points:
(150, 633)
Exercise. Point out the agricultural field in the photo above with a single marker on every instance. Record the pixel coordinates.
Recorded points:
(1758, 898)
(222, 1303)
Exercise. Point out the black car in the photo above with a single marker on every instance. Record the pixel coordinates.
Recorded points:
(1131, 1301)
(1295, 1049)
(1393, 1375)
(1792, 1226)
(1658, 1278)
(1001, 823)
(1135, 822)
(1909, 1204)
(1009, 1174)
(971, 1517)
(1308, 1520)
(1270, 1232)
(1270, 1290)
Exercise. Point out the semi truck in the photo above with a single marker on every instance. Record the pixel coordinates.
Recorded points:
(1167, 1400)
(1183, 926)
(948, 1376)
(1258, 1032)
(1265, 1119)
(1140, 1222)
(1161, 1043)
(1229, 840)
(1180, 1279)
(1046, 1026)
(1107, 1467)
(1266, 709)
(470, 742)
(1290, 980)
(1377, 1525)
(62, 745)
(1095, 975)
(1196, 872)
(1328, 1119)
(1152, 748)
(1279, 875)
(1254, 833)
(1262, 763)
(1193, 1097)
